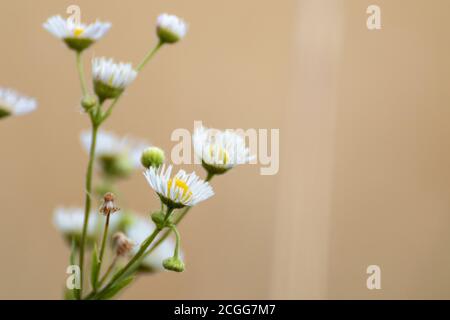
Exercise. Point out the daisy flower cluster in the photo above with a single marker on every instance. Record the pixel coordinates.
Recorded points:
(136, 244)
(116, 156)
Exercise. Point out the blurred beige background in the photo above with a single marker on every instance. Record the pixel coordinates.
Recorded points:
(365, 144)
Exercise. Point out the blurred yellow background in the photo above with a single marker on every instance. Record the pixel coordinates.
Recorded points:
(364, 168)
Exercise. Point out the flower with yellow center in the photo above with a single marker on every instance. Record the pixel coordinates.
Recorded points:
(170, 28)
(77, 36)
(180, 191)
(219, 151)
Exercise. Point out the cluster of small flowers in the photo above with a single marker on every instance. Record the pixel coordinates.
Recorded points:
(110, 78)
(116, 158)
(219, 151)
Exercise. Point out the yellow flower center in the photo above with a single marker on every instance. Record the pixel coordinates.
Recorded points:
(222, 154)
(78, 31)
(179, 184)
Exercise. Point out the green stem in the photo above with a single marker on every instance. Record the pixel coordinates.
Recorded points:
(105, 234)
(149, 56)
(139, 68)
(110, 268)
(136, 258)
(178, 241)
(81, 74)
(87, 206)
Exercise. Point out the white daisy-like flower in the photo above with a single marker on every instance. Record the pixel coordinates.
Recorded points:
(117, 155)
(110, 78)
(77, 36)
(181, 190)
(139, 230)
(13, 103)
(220, 151)
(69, 221)
(170, 28)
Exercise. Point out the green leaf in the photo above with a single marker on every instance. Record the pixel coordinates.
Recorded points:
(95, 268)
(109, 294)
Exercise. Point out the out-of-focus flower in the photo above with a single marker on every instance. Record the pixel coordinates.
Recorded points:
(110, 78)
(180, 191)
(139, 230)
(170, 28)
(220, 151)
(122, 243)
(13, 103)
(117, 156)
(69, 221)
(77, 36)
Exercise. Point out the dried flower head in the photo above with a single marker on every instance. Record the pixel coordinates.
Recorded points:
(123, 244)
(108, 206)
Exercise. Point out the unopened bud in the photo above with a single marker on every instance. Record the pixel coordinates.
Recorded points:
(88, 103)
(173, 264)
(152, 157)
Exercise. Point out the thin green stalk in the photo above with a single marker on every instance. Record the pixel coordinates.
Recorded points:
(81, 74)
(110, 268)
(139, 68)
(87, 207)
(136, 258)
(105, 235)
(178, 241)
(149, 56)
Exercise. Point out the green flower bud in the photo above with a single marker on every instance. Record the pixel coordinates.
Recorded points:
(159, 219)
(152, 157)
(173, 264)
(88, 103)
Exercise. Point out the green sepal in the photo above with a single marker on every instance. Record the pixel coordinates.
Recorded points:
(215, 169)
(78, 44)
(167, 36)
(105, 92)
